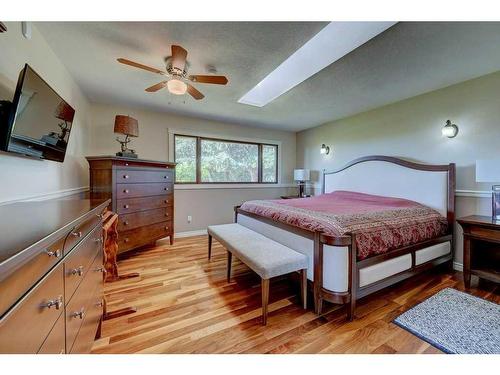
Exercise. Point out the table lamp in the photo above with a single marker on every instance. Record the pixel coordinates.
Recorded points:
(489, 171)
(129, 126)
(301, 176)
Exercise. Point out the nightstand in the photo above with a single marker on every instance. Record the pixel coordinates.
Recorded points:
(481, 248)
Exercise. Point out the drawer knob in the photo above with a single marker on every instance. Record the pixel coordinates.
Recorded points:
(78, 314)
(57, 303)
(77, 234)
(126, 240)
(56, 253)
(125, 176)
(166, 228)
(166, 215)
(125, 223)
(165, 201)
(165, 177)
(166, 189)
(126, 164)
(101, 269)
(125, 191)
(125, 206)
(77, 271)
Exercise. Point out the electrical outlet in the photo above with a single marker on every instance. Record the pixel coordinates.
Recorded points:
(190, 219)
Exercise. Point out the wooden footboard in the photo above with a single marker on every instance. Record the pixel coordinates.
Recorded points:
(354, 290)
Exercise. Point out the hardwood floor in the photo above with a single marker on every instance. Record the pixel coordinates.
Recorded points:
(185, 305)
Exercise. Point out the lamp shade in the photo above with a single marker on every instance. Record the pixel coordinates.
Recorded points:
(488, 170)
(301, 175)
(126, 125)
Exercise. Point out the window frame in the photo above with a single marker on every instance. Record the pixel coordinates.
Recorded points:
(198, 160)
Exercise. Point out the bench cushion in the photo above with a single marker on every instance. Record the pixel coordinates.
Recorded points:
(266, 257)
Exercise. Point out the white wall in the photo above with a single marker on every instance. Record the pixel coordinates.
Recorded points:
(412, 129)
(21, 177)
(207, 205)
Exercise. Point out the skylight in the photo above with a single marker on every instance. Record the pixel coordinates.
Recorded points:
(334, 41)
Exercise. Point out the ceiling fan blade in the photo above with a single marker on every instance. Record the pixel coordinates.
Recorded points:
(218, 80)
(141, 66)
(157, 87)
(179, 56)
(194, 93)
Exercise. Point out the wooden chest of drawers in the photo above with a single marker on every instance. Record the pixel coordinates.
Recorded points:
(142, 194)
(51, 287)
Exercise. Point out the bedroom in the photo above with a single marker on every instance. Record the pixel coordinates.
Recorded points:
(302, 186)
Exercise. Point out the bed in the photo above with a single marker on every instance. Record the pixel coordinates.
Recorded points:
(379, 221)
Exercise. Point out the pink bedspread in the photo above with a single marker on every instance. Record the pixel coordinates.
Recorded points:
(380, 224)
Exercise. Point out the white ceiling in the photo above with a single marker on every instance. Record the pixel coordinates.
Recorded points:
(408, 59)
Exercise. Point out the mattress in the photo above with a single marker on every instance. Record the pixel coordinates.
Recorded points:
(380, 224)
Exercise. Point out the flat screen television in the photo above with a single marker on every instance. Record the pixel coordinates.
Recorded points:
(39, 122)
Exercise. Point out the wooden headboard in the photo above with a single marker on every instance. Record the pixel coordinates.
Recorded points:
(430, 184)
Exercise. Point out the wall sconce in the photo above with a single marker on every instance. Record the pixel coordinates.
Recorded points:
(325, 150)
(449, 130)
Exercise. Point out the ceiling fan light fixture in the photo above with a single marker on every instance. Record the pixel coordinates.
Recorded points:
(176, 87)
(177, 67)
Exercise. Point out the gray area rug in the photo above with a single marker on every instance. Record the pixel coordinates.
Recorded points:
(455, 322)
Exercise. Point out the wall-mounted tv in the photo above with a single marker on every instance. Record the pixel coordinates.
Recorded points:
(40, 120)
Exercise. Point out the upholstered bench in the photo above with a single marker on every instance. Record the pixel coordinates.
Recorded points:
(264, 256)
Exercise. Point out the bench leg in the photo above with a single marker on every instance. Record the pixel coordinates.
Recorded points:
(229, 262)
(209, 246)
(265, 300)
(303, 287)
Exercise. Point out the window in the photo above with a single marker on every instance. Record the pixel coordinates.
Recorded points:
(185, 156)
(203, 160)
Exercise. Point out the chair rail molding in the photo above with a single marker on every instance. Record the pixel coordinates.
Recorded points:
(458, 192)
(473, 193)
(46, 196)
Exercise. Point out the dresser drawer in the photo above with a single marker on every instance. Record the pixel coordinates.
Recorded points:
(136, 176)
(14, 285)
(142, 190)
(78, 262)
(124, 206)
(55, 343)
(86, 335)
(137, 237)
(79, 232)
(485, 233)
(25, 327)
(81, 303)
(143, 164)
(142, 218)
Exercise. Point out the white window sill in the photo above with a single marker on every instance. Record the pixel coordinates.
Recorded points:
(231, 186)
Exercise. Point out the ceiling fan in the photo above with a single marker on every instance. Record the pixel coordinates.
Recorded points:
(177, 68)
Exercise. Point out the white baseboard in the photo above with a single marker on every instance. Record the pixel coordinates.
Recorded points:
(458, 266)
(46, 196)
(191, 233)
